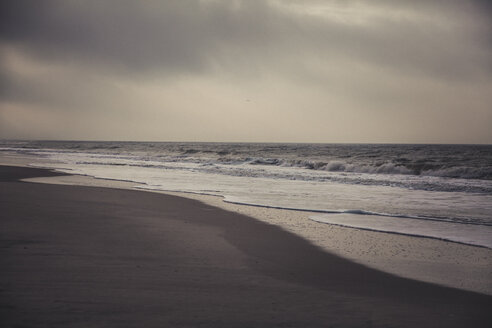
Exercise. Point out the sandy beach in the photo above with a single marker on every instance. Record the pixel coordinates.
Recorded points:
(431, 260)
(89, 256)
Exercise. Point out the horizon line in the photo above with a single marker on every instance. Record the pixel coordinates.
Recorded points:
(252, 142)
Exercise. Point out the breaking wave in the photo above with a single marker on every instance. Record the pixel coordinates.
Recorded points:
(462, 172)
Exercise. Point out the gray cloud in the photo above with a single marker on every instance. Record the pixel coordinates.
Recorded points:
(174, 37)
(363, 58)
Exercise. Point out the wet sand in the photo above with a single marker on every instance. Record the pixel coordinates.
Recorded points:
(75, 256)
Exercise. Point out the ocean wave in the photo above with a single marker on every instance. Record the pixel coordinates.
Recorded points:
(430, 174)
(378, 168)
(364, 161)
(462, 172)
(330, 166)
(244, 170)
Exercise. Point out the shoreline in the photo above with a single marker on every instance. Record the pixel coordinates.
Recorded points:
(23, 160)
(81, 255)
(446, 263)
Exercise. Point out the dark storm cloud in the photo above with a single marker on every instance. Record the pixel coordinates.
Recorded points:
(130, 35)
(174, 37)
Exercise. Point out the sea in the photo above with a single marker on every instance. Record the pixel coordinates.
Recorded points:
(434, 191)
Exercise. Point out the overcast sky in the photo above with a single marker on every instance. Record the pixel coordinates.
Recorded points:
(277, 71)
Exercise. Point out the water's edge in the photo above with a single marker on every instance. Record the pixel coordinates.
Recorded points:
(319, 219)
